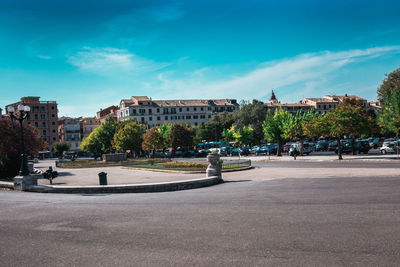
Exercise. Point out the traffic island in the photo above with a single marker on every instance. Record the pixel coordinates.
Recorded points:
(129, 188)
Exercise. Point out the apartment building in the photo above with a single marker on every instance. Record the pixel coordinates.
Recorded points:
(43, 115)
(103, 114)
(69, 131)
(156, 112)
(321, 105)
(87, 126)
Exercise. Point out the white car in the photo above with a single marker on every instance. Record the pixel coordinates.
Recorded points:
(388, 147)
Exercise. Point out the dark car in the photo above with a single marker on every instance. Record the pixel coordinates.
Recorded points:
(359, 147)
(322, 146)
(264, 150)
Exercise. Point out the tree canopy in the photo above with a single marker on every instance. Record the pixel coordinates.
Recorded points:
(100, 140)
(129, 136)
(152, 140)
(273, 127)
(389, 85)
(251, 114)
(180, 136)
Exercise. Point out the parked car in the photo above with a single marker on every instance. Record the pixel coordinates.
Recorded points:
(242, 151)
(322, 146)
(375, 142)
(264, 150)
(307, 149)
(389, 147)
(286, 147)
(332, 145)
(359, 147)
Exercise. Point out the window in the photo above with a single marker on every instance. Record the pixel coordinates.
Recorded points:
(195, 117)
(195, 109)
(324, 106)
(209, 116)
(173, 111)
(187, 109)
(134, 111)
(209, 108)
(142, 119)
(188, 117)
(158, 110)
(165, 111)
(151, 118)
(150, 111)
(53, 115)
(166, 118)
(201, 108)
(329, 106)
(42, 116)
(52, 107)
(54, 139)
(53, 123)
(44, 124)
(180, 109)
(158, 118)
(44, 132)
(142, 111)
(36, 117)
(54, 131)
(195, 123)
(42, 109)
(202, 116)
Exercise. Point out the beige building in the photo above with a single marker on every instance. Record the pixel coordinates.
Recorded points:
(156, 112)
(43, 115)
(321, 105)
(69, 131)
(103, 114)
(273, 104)
(87, 126)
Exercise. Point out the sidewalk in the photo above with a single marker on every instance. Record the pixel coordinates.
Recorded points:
(374, 155)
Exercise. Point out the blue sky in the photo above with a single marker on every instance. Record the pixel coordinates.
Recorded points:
(88, 55)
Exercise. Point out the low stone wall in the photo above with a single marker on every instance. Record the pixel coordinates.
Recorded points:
(116, 157)
(134, 188)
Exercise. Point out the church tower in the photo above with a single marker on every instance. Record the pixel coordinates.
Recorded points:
(273, 99)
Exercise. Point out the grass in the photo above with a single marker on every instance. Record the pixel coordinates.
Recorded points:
(186, 166)
(95, 164)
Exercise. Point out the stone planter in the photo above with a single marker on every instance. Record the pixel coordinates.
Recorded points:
(213, 168)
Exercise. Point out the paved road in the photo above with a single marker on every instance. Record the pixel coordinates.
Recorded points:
(282, 222)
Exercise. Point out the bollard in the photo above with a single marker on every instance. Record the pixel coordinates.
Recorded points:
(103, 178)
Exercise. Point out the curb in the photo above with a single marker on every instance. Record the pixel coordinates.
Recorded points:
(129, 188)
(8, 185)
(186, 172)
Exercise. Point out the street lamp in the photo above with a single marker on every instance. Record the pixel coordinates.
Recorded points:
(20, 115)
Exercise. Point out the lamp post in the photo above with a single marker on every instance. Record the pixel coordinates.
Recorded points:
(20, 115)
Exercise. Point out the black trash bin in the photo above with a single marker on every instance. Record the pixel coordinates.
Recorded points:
(103, 178)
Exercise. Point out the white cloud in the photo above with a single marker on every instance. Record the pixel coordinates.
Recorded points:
(303, 73)
(112, 61)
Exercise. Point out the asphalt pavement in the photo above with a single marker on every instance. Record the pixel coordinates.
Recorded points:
(334, 220)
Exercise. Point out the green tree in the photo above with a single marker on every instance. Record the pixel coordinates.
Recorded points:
(165, 129)
(243, 135)
(251, 114)
(389, 116)
(129, 136)
(61, 147)
(273, 127)
(180, 136)
(225, 118)
(293, 126)
(347, 119)
(389, 85)
(100, 140)
(209, 131)
(152, 140)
